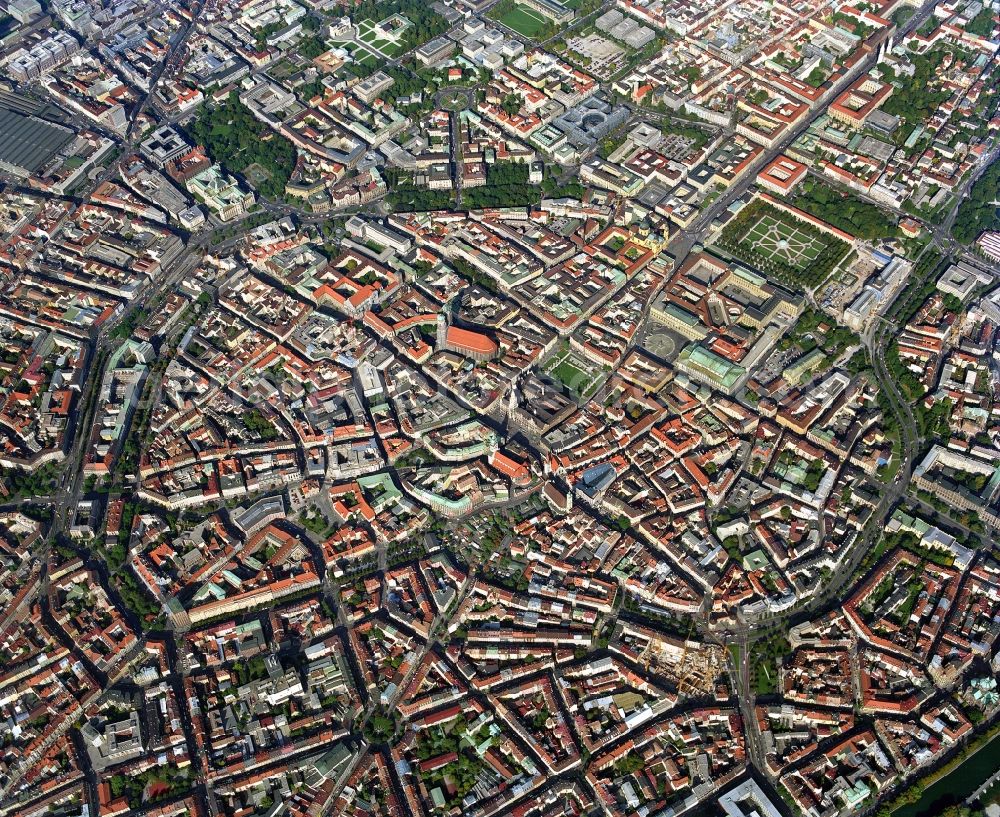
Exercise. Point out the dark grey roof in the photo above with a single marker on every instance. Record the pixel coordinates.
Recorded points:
(29, 143)
(20, 103)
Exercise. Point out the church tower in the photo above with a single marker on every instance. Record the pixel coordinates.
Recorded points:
(442, 331)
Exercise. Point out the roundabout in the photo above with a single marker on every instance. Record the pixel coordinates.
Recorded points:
(455, 99)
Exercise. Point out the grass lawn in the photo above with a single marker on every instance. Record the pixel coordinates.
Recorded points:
(524, 21)
(569, 374)
(368, 35)
(767, 680)
(388, 48)
(765, 658)
(777, 243)
(574, 373)
(887, 473)
(773, 237)
(283, 69)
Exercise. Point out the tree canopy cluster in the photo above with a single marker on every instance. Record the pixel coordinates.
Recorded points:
(734, 239)
(506, 186)
(982, 24)
(979, 211)
(845, 212)
(312, 46)
(815, 329)
(405, 197)
(236, 140)
(511, 104)
(698, 136)
(426, 24)
(917, 97)
(258, 425)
